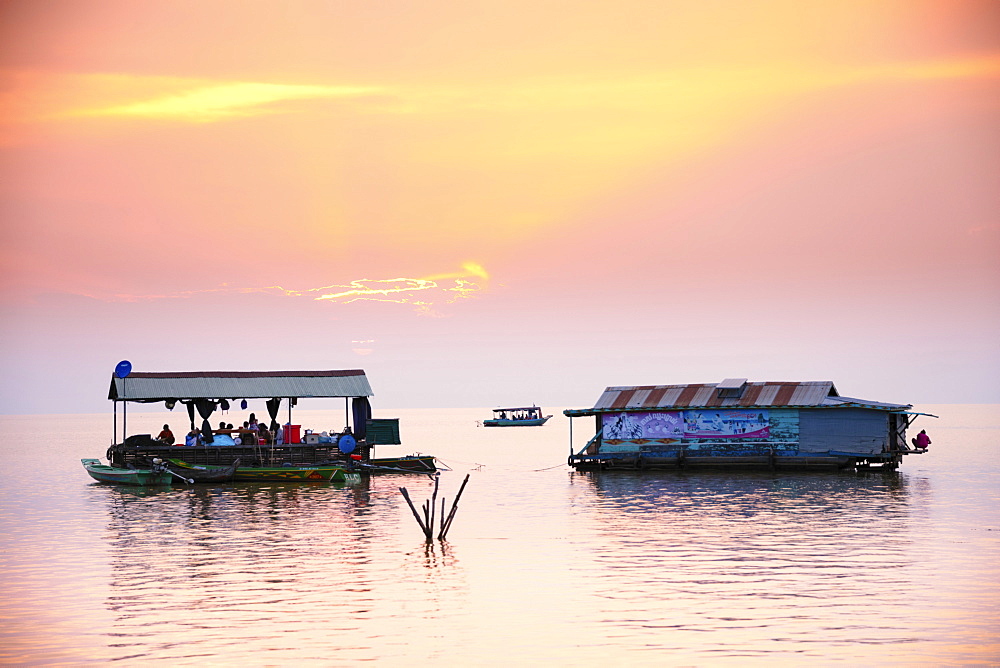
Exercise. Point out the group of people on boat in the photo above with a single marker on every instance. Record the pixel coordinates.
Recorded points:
(251, 433)
(517, 415)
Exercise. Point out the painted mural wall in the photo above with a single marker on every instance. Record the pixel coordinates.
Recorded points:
(710, 431)
(696, 424)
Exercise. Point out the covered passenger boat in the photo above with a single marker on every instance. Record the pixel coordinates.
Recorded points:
(202, 393)
(527, 416)
(741, 424)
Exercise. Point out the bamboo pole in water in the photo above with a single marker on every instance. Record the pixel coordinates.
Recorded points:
(429, 509)
(416, 515)
(446, 524)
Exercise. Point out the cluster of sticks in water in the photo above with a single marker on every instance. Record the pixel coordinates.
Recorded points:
(427, 521)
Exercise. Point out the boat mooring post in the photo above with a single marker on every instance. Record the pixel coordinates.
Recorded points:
(446, 524)
(416, 515)
(429, 507)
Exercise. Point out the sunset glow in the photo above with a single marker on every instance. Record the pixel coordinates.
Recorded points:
(623, 170)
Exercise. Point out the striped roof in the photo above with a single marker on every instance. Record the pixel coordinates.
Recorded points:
(703, 395)
(157, 386)
(770, 394)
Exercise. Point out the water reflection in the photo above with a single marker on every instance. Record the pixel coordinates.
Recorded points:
(206, 569)
(734, 552)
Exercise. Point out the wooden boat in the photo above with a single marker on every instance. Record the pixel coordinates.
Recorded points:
(284, 445)
(406, 464)
(157, 474)
(289, 473)
(530, 416)
(285, 454)
(204, 472)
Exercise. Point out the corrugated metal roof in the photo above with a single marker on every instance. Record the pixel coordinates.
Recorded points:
(706, 395)
(157, 386)
(848, 402)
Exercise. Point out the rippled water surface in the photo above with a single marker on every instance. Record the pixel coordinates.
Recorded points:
(542, 565)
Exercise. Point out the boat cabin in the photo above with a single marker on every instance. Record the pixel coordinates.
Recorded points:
(281, 442)
(737, 423)
(524, 416)
(526, 413)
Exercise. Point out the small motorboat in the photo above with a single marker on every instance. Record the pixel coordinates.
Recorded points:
(156, 474)
(405, 464)
(529, 416)
(205, 472)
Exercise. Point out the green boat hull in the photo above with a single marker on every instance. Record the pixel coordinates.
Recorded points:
(116, 476)
(289, 474)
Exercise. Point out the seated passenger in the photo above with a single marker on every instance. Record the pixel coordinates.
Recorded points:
(193, 438)
(223, 439)
(166, 435)
(265, 435)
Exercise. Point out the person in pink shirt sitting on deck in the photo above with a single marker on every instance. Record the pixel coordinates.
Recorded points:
(922, 440)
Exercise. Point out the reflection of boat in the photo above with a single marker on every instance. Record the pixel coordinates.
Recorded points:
(205, 472)
(156, 474)
(289, 473)
(530, 416)
(405, 464)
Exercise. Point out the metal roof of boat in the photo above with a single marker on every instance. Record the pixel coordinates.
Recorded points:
(768, 394)
(522, 408)
(161, 386)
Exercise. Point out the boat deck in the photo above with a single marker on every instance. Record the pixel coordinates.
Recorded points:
(249, 455)
(839, 461)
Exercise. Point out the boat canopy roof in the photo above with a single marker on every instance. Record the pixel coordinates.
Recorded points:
(731, 393)
(187, 385)
(523, 408)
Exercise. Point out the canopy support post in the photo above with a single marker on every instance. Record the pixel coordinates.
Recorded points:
(571, 436)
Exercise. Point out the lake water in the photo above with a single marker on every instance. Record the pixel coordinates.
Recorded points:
(542, 565)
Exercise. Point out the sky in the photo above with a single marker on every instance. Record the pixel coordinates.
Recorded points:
(494, 203)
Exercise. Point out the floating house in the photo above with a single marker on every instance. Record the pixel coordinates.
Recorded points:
(741, 424)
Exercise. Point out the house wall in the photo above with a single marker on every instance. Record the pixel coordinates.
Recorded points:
(783, 424)
(854, 430)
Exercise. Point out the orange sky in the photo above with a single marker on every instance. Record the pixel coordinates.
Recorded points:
(649, 192)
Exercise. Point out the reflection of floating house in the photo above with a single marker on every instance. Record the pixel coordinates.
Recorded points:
(736, 423)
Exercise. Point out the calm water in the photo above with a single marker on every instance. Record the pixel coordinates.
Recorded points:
(543, 565)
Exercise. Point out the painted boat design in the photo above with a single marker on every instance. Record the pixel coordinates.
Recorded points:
(204, 472)
(289, 474)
